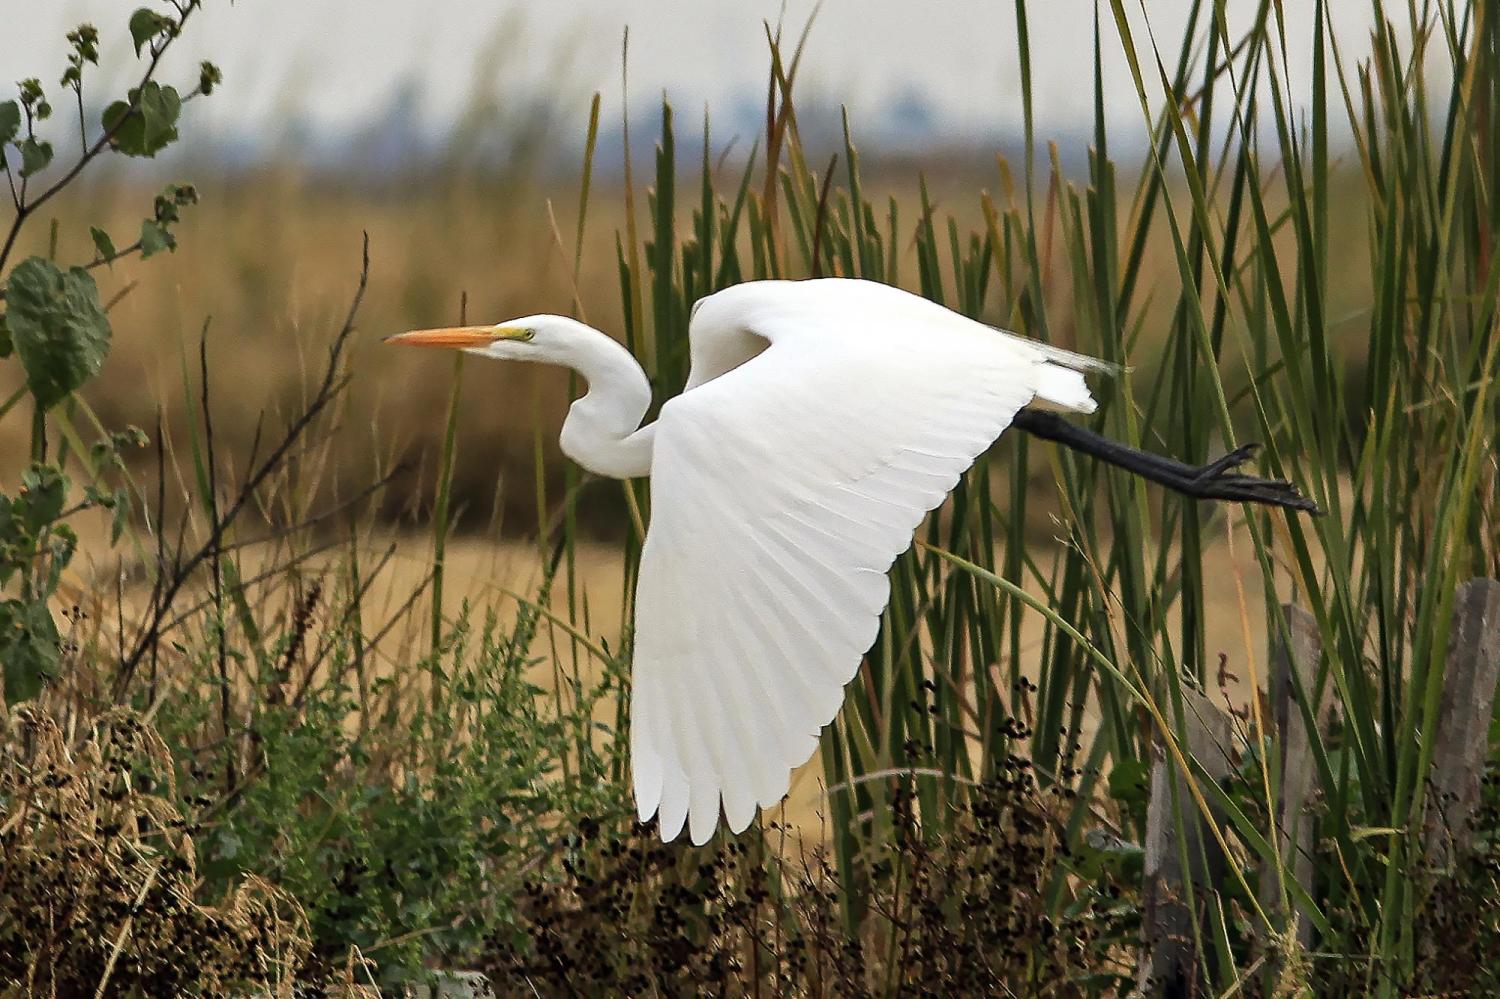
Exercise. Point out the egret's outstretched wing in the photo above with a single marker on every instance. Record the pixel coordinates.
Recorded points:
(782, 491)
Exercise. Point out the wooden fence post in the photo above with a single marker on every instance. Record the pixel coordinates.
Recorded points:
(1463, 731)
(1170, 966)
(1293, 828)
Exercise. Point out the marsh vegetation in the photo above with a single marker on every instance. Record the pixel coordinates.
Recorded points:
(321, 673)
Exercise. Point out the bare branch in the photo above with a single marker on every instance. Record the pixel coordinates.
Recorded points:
(333, 383)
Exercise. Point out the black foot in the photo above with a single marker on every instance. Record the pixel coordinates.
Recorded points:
(1211, 483)
(1214, 481)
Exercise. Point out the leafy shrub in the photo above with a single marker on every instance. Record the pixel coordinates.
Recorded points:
(407, 837)
(57, 328)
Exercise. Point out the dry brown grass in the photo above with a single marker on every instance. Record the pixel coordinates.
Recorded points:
(98, 874)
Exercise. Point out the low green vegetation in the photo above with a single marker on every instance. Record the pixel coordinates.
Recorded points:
(236, 755)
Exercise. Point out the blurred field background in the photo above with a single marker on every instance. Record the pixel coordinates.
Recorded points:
(482, 202)
(266, 260)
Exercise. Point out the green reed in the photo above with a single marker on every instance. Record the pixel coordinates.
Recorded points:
(1362, 359)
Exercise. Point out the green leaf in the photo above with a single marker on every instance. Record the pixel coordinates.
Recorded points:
(62, 542)
(209, 77)
(102, 243)
(1130, 780)
(155, 238)
(10, 121)
(1103, 851)
(1130, 784)
(146, 24)
(148, 127)
(36, 154)
(25, 522)
(44, 488)
(58, 326)
(28, 648)
(120, 509)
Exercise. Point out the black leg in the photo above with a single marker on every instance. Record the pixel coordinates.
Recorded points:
(1207, 482)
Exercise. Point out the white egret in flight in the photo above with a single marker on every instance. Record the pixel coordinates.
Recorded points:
(821, 421)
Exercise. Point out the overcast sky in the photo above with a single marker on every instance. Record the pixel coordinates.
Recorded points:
(335, 63)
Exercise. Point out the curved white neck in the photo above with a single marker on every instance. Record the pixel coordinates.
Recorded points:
(603, 430)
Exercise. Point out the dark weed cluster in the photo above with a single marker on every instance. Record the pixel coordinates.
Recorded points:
(1457, 925)
(98, 875)
(1461, 927)
(1454, 935)
(989, 905)
(982, 909)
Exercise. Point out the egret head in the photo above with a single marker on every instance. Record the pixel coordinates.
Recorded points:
(549, 339)
(599, 422)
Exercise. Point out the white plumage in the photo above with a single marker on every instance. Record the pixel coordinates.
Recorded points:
(782, 491)
(785, 480)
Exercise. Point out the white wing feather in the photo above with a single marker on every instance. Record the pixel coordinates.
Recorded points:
(782, 492)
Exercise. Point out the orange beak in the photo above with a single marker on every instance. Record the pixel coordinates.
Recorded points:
(451, 336)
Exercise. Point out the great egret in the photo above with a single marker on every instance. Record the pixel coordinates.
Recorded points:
(821, 421)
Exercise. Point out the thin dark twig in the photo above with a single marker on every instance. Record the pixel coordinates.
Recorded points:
(216, 566)
(401, 612)
(278, 569)
(120, 610)
(314, 519)
(180, 544)
(83, 127)
(277, 535)
(119, 296)
(100, 261)
(161, 534)
(351, 608)
(332, 384)
(260, 426)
